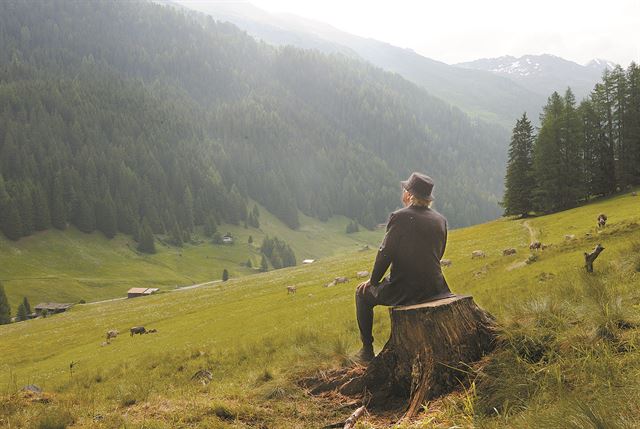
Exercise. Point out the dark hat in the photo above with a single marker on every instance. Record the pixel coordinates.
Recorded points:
(419, 185)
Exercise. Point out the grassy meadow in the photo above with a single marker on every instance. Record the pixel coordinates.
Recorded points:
(69, 266)
(568, 358)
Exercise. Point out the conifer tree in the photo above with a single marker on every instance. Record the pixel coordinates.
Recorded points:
(187, 205)
(5, 309)
(603, 169)
(616, 80)
(225, 275)
(106, 221)
(85, 218)
(58, 212)
(25, 208)
(548, 157)
(21, 314)
(147, 242)
(519, 180)
(264, 265)
(590, 143)
(249, 263)
(42, 216)
(570, 145)
(4, 204)
(27, 305)
(632, 123)
(12, 226)
(210, 226)
(176, 235)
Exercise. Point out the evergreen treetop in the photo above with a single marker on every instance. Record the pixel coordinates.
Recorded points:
(5, 309)
(520, 180)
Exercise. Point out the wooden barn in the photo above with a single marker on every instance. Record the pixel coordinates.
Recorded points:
(135, 292)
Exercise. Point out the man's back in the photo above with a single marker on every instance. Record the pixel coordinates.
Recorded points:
(414, 244)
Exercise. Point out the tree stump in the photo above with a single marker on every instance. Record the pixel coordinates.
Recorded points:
(428, 353)
(589, 258)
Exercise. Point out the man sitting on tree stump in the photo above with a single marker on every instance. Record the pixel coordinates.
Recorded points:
(413, 246)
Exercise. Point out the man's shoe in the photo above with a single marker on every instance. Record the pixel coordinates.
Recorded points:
(365, 355)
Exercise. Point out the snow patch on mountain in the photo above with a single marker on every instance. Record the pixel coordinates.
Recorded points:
(600, 64)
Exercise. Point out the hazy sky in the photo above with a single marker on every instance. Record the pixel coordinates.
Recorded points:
(456, 30)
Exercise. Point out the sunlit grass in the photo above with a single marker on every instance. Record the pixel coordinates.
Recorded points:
(568, 357)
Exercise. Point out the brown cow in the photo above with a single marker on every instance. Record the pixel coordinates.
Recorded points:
(602, 220)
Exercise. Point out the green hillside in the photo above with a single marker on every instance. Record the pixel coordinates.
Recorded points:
(71, 266)
(569, 358)
(130, 116)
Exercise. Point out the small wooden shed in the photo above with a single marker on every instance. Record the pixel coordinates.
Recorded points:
(135, 292)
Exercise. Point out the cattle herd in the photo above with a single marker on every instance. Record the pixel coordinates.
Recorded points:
(534, 247)
(113, 333)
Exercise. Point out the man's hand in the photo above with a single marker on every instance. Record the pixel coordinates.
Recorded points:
(362, 287)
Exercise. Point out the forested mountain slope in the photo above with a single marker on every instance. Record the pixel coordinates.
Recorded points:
(478, 92)
(123, 115)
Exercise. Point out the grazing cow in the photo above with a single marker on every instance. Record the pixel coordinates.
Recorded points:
(112, 334)
(536, 245)
(570, 237)
(362, 274)
(138, 330)
(333, 283)
(508, 252)
(634, 194)
(477, 254)
(291, 290)
(602, 220)
(339, 280)
(445, 262)
(151, 331)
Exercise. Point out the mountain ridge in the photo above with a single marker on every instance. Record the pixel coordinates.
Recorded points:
(478, 93)
(544, 73)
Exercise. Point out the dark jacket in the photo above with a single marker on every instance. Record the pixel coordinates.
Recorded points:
(413, 245)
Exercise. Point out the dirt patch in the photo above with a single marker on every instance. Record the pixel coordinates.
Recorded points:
(334, 388)
(516, 265)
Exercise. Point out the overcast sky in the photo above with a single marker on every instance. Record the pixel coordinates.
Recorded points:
(461, 30)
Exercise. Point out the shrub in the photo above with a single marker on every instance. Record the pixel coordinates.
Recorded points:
(55, 418)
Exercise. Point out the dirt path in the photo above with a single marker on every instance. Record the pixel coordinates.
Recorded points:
(106, 300)
(169, 290)
(533, 236)
(196, 286)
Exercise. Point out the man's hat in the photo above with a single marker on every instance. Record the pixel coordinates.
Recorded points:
(419, 185)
